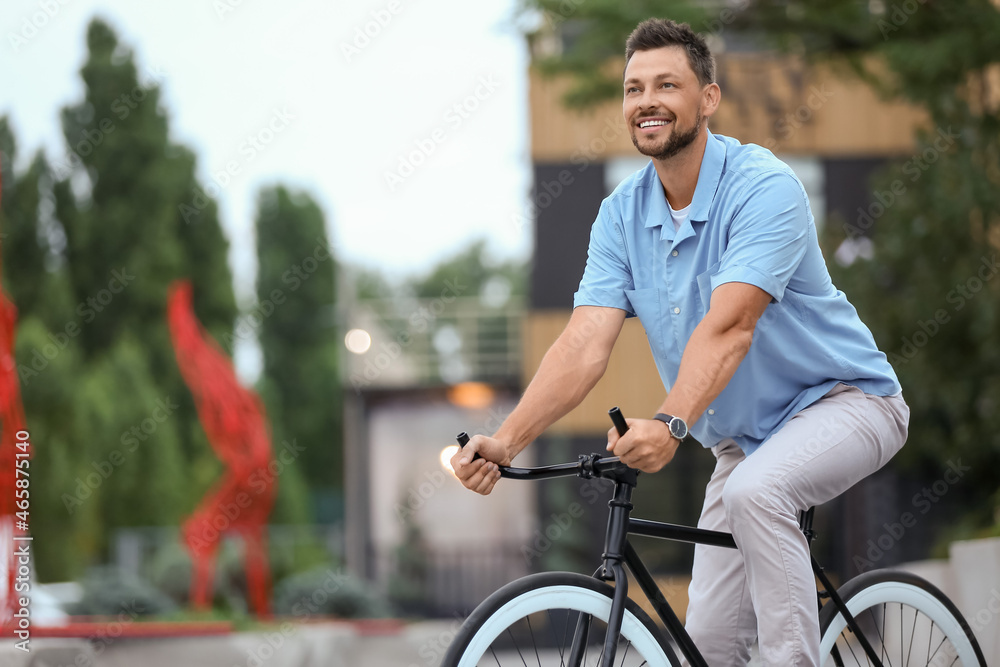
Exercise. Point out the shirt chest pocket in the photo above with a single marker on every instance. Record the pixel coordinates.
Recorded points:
(705, 284)
(646, 305)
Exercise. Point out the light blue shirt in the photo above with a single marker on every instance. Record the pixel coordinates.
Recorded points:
(749, 222)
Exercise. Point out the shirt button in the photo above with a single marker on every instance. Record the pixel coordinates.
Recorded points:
(676, 310)
(674, 253)
(711, 412)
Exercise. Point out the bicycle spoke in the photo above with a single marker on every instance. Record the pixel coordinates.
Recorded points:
(913, 632)
(516, 647)
(531, 634)
(944, 638)
(600, 658)
(837, 660)
(625, 654)
(929, 638)
(851, 649)
(560, 646)
(881, 637)
(885, 612)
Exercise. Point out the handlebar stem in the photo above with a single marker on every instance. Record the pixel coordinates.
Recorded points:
(614, 555)
(614, 539)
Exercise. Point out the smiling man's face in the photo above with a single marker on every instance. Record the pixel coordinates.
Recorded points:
(662, 101)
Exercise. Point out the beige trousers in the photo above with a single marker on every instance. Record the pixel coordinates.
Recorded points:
(766, 589)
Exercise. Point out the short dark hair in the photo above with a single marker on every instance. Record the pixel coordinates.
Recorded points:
(657, 33)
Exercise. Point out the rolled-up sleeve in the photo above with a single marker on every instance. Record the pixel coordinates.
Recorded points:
(768, 237)
(607, 275)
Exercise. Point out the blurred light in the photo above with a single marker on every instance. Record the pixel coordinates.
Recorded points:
(446, 455)
(496, 292)
(454, 370)
(358, 341)
(447, 340)
(471, 395)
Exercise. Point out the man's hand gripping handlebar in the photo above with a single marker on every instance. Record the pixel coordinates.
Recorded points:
(481, 461)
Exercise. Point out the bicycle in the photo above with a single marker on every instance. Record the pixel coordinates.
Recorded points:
(565, 618)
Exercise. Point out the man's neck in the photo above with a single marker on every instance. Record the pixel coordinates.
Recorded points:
(679, 174)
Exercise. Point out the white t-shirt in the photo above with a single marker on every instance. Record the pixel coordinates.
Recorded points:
(679, 216)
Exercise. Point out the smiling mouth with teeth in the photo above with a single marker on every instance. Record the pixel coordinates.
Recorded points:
(649, 124)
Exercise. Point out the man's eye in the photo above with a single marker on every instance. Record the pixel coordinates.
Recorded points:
(667, 85)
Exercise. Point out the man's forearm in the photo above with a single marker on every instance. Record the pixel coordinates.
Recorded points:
(710, 359)
(563, 379)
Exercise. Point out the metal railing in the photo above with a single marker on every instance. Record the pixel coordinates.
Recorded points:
(434, 341)
(448, 582)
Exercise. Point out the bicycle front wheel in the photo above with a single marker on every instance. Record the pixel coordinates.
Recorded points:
(533, 620)
(907, 620)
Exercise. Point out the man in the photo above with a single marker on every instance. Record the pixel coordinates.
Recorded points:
(713, 247)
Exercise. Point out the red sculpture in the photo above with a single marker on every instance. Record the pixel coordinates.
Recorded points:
(11, 422)
(233, 418)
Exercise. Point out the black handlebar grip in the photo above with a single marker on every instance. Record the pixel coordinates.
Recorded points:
(619, 420)
(463, 440)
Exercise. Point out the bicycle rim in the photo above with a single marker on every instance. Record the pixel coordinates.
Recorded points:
(533, 620)
(907, 620)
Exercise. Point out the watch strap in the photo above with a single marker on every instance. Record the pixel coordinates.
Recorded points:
(667, 419)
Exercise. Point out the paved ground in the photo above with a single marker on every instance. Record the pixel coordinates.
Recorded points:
(321, 645)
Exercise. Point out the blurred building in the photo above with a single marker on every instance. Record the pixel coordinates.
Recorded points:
(416, 373)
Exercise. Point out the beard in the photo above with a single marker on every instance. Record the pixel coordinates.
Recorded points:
(679, 140)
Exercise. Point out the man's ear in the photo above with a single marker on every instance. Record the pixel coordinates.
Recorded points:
(711, 95)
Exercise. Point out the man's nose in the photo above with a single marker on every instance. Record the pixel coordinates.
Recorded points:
(647, 100)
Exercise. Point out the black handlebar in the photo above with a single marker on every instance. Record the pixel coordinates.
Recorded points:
(594, 465)
(618, 420)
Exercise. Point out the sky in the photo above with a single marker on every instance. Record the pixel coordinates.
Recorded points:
(407, 120)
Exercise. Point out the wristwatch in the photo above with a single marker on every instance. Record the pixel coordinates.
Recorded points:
(678, 427)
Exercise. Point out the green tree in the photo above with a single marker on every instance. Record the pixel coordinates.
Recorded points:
(295, 325)
(921, 292)
(94, 240)
(368, 283)
(592, 39)
(24, 274)
(469, 273)
(46, 370)
(133, 215)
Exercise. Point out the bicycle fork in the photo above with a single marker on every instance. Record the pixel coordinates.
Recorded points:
(611, 570)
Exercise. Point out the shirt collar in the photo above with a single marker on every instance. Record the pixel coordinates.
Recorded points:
(712, 164)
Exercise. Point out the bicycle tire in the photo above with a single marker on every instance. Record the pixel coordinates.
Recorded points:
(897, 612)
(498, 629)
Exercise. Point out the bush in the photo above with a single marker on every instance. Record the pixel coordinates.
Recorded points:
(170, 569)
(170, 572)
(109, 591)
(324, 592)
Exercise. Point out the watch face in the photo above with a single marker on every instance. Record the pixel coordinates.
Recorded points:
(678, 428)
